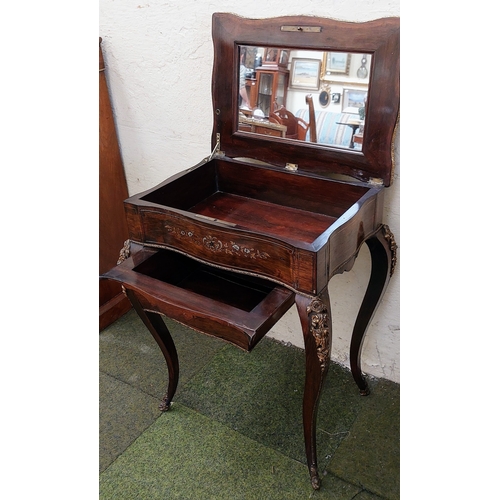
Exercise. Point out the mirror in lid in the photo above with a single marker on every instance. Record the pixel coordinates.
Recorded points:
(285, 71)
(305, 95)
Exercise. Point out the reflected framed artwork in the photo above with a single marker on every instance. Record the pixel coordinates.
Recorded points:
(305, 74)
(353, 99)
(337, 62)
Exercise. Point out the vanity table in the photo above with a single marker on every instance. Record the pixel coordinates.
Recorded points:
(227, 246)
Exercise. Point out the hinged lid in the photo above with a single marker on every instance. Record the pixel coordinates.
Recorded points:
(356, 63)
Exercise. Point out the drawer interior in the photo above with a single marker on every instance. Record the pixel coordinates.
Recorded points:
(236, 290)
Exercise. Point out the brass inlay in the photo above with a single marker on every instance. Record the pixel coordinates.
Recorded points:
(124, 252)
(215, 245)
(392, 242)
(393, 149)
(319, 329)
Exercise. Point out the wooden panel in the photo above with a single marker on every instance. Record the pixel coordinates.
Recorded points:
(112, 192)
(187, 189)
(346, 241)
(323, 196)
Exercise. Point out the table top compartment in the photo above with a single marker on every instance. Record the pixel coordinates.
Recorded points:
(290, 207)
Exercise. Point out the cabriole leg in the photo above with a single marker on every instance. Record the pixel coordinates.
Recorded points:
(315, 318)
(383, 255)
(159, 330)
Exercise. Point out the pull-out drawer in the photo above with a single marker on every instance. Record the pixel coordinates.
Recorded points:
(238, 308)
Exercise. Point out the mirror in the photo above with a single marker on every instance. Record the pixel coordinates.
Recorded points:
(304, 95)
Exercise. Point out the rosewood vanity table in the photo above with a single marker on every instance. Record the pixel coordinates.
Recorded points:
(227, 246)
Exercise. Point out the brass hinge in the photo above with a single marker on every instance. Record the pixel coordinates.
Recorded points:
(375, 181)
(216, 151)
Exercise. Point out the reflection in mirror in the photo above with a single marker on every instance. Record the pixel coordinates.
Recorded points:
(304, 95)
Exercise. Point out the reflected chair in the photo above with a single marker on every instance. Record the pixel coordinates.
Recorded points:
(312, 119)
(297, 128)
(283, 116)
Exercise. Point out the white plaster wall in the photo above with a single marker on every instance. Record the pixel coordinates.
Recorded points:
(158, 56)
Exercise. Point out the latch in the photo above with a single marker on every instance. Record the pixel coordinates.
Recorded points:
(302, 29)
(293, 167)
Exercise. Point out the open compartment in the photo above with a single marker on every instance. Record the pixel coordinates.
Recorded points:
(289, 206)
(238, 308)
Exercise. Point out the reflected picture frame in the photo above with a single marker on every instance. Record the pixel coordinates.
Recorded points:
(353, 99)
(305, 73)
(335, 64)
